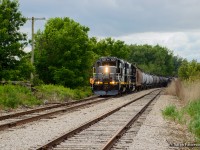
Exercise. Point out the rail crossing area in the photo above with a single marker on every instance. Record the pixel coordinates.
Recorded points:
(131, 121)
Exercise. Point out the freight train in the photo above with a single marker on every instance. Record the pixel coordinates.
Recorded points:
(112, 76)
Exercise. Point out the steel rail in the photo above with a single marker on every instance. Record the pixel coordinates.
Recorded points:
(70, 133)
(41, 109)
(34, 118)
(121, 131)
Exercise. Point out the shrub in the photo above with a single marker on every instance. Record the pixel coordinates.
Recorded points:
(12, 96)
(57, 93)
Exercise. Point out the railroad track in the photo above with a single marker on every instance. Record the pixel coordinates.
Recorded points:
(16, 119)
(103, 131)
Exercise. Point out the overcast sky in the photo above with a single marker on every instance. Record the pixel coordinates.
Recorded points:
(174, 24)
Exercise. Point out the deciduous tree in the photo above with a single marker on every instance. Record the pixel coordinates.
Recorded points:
(12, 41)
(63, 53)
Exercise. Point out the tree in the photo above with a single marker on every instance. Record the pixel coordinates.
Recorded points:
(63, 53)
(12, 41)
(177, 63)
(110, 47)
(189, 70)
(152, 59)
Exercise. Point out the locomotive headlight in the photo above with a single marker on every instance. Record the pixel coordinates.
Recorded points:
(113, 82)
(98, 82)
(106, 69)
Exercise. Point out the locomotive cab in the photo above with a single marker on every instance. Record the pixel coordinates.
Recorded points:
(106, 75)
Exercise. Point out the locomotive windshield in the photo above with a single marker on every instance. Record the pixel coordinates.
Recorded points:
(108, 72)
(107, 69)
(109, 63)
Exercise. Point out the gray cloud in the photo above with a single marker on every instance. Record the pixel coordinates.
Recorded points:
(172, 23)
(184, 44)
(118, 17)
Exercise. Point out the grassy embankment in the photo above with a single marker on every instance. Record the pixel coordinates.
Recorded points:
(14, 96)
(189, 94)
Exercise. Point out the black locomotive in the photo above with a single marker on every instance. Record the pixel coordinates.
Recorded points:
(112, 76)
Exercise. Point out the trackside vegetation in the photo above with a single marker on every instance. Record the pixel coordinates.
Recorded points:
(14, 96)
(192, 109)
(188, 91)
(59, 93)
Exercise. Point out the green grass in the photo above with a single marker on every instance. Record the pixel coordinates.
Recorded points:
(189, 115)
(13, 96)
(171, 112)
(193, 110)
(56, 93)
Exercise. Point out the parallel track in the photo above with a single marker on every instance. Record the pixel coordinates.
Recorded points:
(103, 131)
(24, 117)
(3, 117)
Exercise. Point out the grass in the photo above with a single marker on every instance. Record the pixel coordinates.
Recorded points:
(189, 114)
(171, 112)
(193, 110)
(56, 93)
(13, 96)
(185, 90)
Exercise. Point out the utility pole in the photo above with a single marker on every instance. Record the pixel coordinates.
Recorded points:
(32, 51)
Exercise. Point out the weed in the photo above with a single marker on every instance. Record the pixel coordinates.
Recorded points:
(184, 90)
(170, 112)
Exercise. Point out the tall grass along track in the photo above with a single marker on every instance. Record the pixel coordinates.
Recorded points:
(97, 133)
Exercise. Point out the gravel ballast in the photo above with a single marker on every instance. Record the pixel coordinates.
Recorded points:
(32, 135)
(157, 133)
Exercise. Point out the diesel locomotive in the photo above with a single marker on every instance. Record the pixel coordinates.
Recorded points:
(112, 76)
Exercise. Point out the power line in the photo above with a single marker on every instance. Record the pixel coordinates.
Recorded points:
(33, 19)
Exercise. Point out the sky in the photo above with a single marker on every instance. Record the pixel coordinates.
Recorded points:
(174, 24)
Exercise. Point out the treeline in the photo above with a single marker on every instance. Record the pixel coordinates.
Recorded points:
(64, 53)
(189, 71)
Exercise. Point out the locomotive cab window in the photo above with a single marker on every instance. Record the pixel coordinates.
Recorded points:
(110, 63)
(98, 64)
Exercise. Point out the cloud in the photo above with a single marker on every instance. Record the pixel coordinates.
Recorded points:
(118, 17)
(169, 23)
(184, 44)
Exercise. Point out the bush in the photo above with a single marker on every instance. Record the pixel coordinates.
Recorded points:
(12, 96)
(57, 93)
